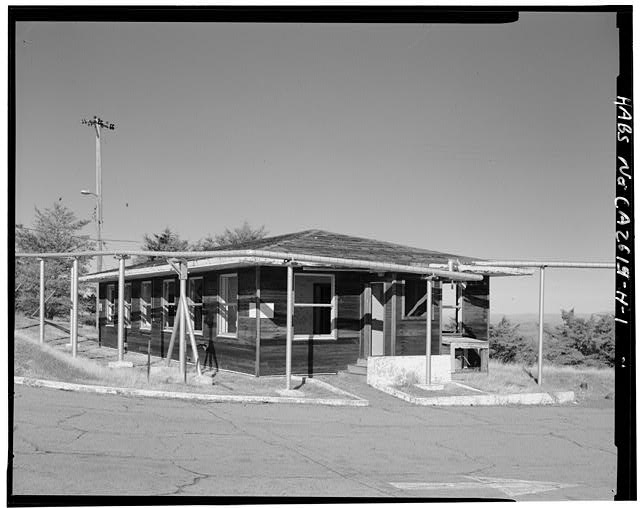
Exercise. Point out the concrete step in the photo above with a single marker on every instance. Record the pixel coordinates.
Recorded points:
(361, 361)
(357, 369)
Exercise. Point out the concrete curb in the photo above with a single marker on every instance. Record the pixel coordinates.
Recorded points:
(335, 389)
(482, 400)
(204, 397)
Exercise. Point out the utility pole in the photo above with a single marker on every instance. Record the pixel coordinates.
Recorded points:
(98, 124)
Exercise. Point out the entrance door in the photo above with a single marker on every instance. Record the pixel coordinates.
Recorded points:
(377, 319)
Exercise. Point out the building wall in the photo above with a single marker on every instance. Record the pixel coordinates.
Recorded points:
(411, 332)
(239, 353)
(232, 353)
(309, 356)
(475, 309)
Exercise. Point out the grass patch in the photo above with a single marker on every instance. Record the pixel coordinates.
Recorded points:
(586, 382)
(54, 362)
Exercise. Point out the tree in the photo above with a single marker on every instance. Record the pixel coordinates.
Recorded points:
(508, 345)
(580, 341)
(165, 241)
(55, 229)
(232, 237)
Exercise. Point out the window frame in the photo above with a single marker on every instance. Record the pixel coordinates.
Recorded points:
(333, 305)
(191, 305)
(166, 304)
(110, 308)
(434, 304)
(221, 320)
(145, 308)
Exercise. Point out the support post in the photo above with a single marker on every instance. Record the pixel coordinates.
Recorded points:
(74, 315)
(121, 309)
(182, 349)
(176, 325)
(192, 335)
(367, 321)
(41, 301)
(258, 322)
(428, 341)
(540, 325)
(289, 323)
(70, 309)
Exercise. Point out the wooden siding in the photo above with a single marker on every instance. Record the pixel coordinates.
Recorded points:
(224, 352)
(411, 333)
(239, 353)
(310, 356)
(475, 309)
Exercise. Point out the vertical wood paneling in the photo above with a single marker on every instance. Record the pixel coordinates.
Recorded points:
(475, 309)
(411, 333)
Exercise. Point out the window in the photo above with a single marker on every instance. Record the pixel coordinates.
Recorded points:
(314, 302)
(415, 299)
(195, 303)
(145, 305)
(228, 305)
(111, 304)
(451, 308)
(168, 303)
(127, 305)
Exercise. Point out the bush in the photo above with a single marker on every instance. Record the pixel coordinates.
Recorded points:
(580, 341)
(577, 341)
(508, 345)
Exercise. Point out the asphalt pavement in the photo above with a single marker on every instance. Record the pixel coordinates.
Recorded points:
(69, 443)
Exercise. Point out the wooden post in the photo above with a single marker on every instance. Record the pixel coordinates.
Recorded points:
(258, 322)
(121, 309)
(41, 301)
(71, 309)
(367, 320)
(289, 322)
(428, 341)
(540, 325)
(192, 336)
(176, 325)
(74, 320)
(182, 349)
(394, 323)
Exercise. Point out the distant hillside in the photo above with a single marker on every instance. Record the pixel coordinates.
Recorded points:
(528, 323)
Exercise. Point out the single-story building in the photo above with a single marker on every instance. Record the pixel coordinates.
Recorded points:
(353, 298)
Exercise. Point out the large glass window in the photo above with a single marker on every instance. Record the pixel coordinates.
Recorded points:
(145, 305)
(111, 304)
(314, 312)
(195, 303)
(228, 305)
(127, 305)
(168, 303)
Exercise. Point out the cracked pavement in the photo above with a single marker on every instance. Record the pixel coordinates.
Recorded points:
(72, 443)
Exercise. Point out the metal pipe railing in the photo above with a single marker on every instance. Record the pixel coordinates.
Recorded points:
(545, 264)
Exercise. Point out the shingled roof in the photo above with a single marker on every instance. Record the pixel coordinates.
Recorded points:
(325, 243)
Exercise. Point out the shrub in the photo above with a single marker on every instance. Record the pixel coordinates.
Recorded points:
(508, 345)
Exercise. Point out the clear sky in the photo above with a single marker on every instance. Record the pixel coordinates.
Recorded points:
(495, 141)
